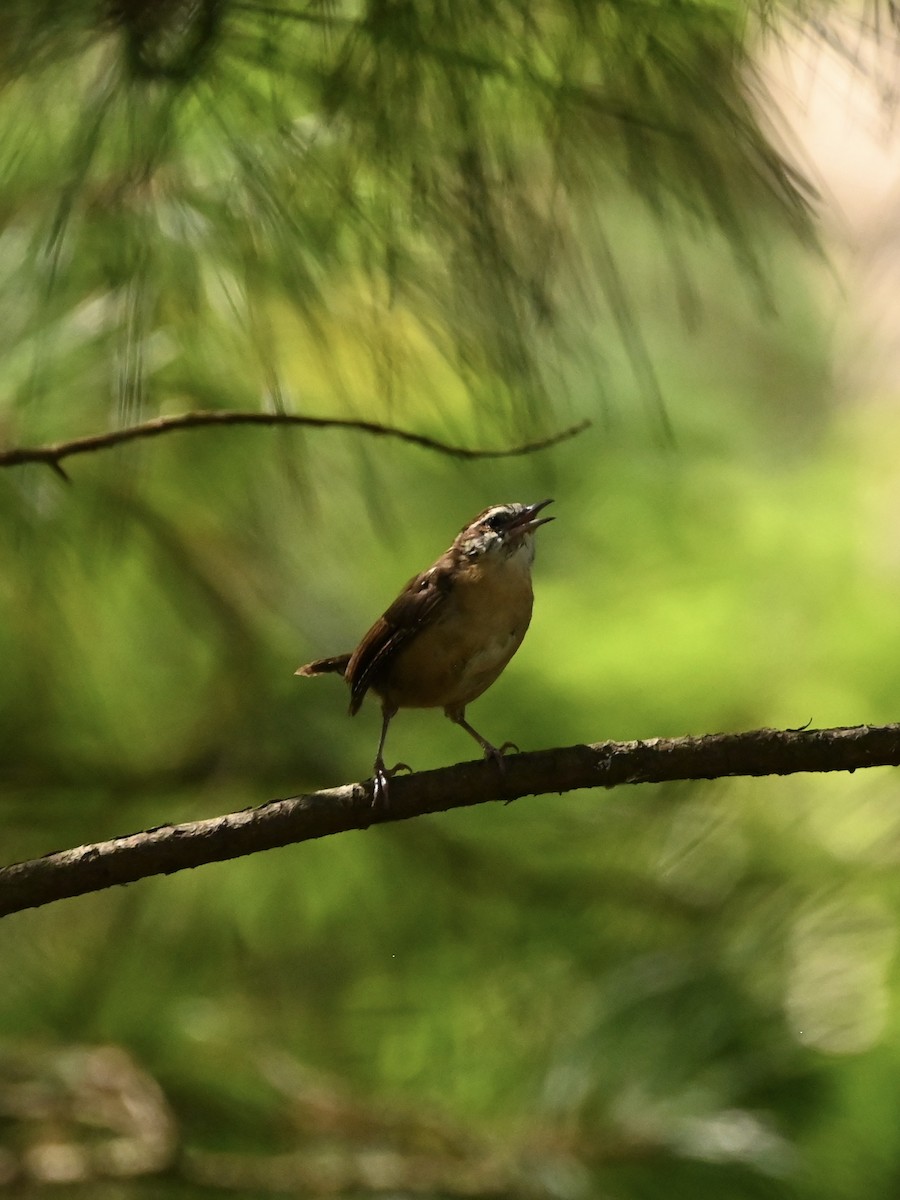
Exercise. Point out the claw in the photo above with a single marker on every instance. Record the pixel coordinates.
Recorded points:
(495, 753)
(381, 781)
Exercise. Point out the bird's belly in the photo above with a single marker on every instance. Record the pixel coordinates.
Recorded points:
(459, 656)
(443, 670)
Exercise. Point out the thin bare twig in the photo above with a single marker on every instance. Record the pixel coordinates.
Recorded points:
(171, 848)
(53, 453)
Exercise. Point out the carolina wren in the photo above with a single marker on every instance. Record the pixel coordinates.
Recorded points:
(452, 629)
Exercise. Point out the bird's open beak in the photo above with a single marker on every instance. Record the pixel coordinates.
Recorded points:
(525, 522)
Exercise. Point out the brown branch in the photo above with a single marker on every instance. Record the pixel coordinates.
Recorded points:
(52, 453)
(171, 848)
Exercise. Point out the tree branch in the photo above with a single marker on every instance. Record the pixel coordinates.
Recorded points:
(53, 453)
(171, 848)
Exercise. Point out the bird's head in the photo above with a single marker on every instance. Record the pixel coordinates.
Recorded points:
(502, 529)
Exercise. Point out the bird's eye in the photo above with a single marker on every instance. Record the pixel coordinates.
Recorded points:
(497, 521)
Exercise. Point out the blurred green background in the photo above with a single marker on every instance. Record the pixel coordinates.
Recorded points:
(475, 222)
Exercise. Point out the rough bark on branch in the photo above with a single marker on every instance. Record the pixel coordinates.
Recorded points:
(53, 453)
(171, 848)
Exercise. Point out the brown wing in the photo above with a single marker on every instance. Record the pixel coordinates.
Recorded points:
(415, 607)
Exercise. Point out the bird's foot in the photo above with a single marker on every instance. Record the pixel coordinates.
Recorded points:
(382, 777)
(495, 753)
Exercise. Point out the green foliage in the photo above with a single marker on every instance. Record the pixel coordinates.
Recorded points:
(212, 202)
(654, 992)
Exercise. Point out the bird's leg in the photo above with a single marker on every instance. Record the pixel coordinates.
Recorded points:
(382, 773)
(458, 717)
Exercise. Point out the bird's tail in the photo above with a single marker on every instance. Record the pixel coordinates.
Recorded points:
(325, 666)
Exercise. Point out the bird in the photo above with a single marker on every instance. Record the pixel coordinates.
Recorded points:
(451, 631)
